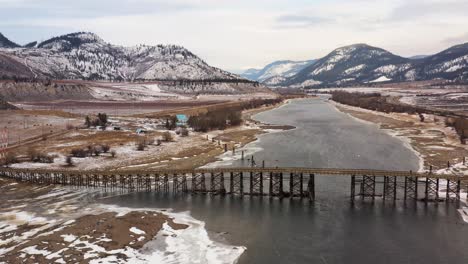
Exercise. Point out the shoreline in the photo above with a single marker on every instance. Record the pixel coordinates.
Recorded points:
(227, 158)
(404, 140)
(433, 143)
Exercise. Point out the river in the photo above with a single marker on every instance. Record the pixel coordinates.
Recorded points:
(331, 229)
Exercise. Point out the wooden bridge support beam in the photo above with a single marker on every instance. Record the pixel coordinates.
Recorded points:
(368, 187)
(148, 182)
(453, 191)
(296, 185)
(353, 187)
(217, 183)
(411, 188)
(311, 187)
(179, 183)
(276, 184)
(432, 190)
(161, 183)
(256, 183)
(237, 183)
(390, 188)
(198, 183)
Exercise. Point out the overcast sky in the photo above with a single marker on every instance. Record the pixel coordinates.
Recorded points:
(239, 34)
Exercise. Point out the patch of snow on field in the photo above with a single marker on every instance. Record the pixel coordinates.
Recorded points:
(68, 238)
(190, 245)
(34, 251)
(137, 231)
(381, 79)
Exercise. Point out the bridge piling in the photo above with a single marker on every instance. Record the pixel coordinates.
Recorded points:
(353, 187)
(453, 191)
(311, 187)
(390, 188)
(368, 187)
(237, 183)
(276, 184)
(256, 183)
(411, 188)
(296, 185)
(431, 190)
(198, 183)
(217, 183)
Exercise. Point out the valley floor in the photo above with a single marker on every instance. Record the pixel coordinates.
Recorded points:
(45, 224)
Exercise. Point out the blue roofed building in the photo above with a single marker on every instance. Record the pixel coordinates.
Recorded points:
(181, 120)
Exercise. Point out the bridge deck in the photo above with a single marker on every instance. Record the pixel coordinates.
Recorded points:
(254, 181)
(317, 171)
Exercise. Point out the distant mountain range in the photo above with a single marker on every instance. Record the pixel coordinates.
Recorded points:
(86, 56)
(363, 64)
(276, 72)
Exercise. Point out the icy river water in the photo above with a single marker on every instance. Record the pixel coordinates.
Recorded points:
(330, 230)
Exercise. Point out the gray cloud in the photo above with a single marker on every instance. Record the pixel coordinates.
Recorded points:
(417, 8)
(89, 8)
(301, 21)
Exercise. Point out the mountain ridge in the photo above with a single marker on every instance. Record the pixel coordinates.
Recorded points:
(363, 64)
(84, 55)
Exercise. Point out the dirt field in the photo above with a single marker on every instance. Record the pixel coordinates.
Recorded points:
(182, 152)
(114, 108)
(27, 125)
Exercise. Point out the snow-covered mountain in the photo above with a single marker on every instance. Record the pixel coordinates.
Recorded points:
(363, 64)
(276, 72)
(359, 63)
(85, 55)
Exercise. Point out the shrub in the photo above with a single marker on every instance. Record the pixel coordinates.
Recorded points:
(184, 132)
(97, 150)
(105, 148)
(141, 146)
(79, 153)
(113, 153)
(36, 156)
(69, 160)
(10, 158)
(167, 137)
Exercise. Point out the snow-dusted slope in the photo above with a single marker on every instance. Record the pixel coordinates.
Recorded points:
(277, 71)
(86, 56)
(361, 63)
(450, 64)
(358, 63)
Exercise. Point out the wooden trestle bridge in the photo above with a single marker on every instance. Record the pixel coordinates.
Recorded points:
(275, 182)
